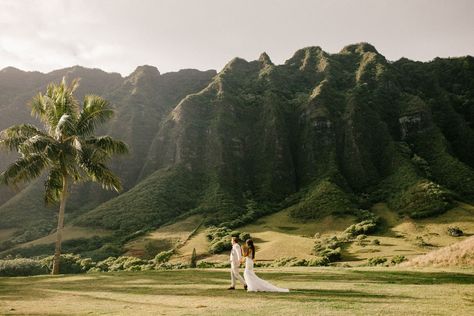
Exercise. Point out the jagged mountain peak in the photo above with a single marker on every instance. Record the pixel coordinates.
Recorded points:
(359, 48)
(145, 70)
(265, 59)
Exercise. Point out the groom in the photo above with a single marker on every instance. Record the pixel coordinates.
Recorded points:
(235, 256)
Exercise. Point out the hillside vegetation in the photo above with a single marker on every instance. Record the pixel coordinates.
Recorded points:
(322, 136)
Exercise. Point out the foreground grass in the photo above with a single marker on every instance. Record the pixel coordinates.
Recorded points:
(323, 291)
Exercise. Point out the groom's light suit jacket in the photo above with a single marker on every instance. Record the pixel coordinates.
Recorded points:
(235, 255)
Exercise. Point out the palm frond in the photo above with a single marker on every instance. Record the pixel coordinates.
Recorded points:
(98, 172)
(95, 111)
(12, 137)
(24, 169)
(38, 144)
(108, 145)
(56, 102)
(53, 186)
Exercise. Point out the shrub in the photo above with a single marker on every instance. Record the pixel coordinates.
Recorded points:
(219, 238)
(364, 227)
(319, 262)
(70, 263)
(398, 259)
(219, 246)
(329, 248)
(164, 256)
(375, 242)
(205, 264)
(375, 261)
(332, 254)
(22, 267)
(455, 231)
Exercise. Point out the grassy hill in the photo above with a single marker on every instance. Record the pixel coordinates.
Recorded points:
(281, 236)
(457, 255)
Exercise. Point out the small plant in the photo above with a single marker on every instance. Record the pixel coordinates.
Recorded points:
(398, 259)
(193, 262)
(375, 261)
(455, 231)
(361, 240)
(420, 242)
(375, 242)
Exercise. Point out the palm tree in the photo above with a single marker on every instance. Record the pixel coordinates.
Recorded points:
(66, 148)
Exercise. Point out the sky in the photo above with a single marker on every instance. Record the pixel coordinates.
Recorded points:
(119, 35)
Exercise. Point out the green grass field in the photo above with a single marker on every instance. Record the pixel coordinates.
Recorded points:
(314, 291)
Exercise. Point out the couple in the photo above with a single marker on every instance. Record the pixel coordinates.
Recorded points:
(252, 282)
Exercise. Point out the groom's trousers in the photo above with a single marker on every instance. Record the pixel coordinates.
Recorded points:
(234, 274)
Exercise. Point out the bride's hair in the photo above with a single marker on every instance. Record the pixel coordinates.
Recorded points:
(249, 243)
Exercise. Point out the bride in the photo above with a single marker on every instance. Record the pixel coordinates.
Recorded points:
(254, 283)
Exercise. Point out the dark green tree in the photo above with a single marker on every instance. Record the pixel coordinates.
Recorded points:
(193, 259)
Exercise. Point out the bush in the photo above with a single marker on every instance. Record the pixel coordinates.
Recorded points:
(22, 267)
(375, 242)
(329, 248)
(123, 263)
(375, 261)
(398, 259)
(219, 238)
(164, 256)
(455, 231)
(219, 246)
(70, 263)
(319, 262)
(364, 227)
(205, 265)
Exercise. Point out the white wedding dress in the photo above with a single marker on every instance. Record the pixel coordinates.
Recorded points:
(254, 283)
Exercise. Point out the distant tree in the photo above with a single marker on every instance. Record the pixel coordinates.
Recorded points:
(66, 148)
(193, 259)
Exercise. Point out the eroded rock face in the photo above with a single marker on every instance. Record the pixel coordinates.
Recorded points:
(414, 123)
(313, 134)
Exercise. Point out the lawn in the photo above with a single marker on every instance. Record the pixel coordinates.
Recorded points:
(323, 291)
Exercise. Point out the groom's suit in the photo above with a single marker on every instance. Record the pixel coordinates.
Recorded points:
(235, 256)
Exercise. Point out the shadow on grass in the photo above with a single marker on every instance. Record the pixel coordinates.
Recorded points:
(373, 276)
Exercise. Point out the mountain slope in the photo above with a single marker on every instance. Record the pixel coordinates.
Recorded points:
(320, 134)
(141, 100)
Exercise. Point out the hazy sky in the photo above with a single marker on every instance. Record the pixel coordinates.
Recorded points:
(118, 35)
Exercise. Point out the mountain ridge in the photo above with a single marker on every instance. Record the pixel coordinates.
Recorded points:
(320, 134)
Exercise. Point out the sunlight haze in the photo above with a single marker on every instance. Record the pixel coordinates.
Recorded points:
(119, 35)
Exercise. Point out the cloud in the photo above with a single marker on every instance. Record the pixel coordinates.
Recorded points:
(118, 35)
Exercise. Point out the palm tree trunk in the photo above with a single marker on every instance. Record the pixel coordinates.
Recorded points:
(59, 230)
